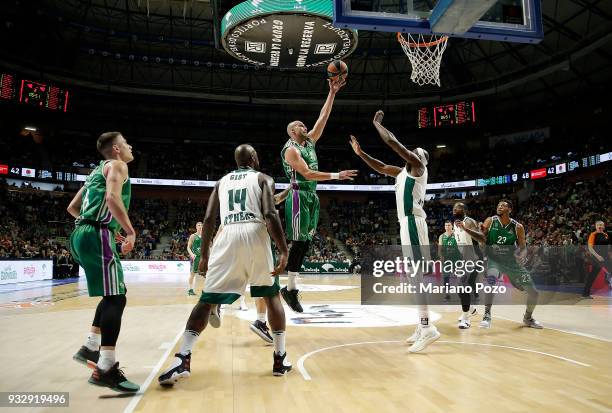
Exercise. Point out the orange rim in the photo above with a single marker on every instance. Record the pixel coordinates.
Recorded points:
(400, 38)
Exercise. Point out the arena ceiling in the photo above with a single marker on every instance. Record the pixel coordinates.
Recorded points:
(170, 48)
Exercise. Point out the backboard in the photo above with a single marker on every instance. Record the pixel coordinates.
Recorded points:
(502, 20)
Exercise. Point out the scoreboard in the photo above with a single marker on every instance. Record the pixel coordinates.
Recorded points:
(447, 115)
(33, 93)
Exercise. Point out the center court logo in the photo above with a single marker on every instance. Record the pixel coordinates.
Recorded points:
(350, 316)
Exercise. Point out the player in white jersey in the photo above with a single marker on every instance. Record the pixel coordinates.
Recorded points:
(410, 185)
(467, 248)
(241, 254)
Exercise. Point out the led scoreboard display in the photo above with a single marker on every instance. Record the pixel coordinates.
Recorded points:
(7, 86)
(33, 93)
(446, 115)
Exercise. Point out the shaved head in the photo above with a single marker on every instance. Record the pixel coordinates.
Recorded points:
(297, 130)
(246, 156)
(290, 127)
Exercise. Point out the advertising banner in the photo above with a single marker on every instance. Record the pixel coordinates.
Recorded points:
(152, 267)
(329, 267)
(18, 271)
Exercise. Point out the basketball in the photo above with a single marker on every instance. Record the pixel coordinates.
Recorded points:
(337, 69)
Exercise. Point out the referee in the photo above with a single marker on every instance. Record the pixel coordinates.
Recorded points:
(598, 250)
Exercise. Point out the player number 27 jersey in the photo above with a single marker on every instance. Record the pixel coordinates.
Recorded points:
(240, 197)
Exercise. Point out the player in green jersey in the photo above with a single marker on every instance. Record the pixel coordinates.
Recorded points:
(301, 167)
(502, 234)
(100, 208)
(448, 251)
(193, 249)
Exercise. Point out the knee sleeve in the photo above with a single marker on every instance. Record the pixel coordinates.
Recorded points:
(111, 312)
(296, 255)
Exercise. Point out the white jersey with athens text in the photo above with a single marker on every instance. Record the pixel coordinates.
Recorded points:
(461, 236)
(410, 194)
(240, 197)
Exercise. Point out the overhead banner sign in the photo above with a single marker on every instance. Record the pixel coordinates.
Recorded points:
(295, 34)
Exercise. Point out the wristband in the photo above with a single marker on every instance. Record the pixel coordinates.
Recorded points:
(335, 175)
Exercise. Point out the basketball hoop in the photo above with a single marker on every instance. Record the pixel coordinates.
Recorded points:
(425, 55)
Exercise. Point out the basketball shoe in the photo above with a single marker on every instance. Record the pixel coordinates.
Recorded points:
(281, 366)
(215, 317)
(486, 321)
(415, 335)
(87, 357)
(261, 329)
(531, 323)
(174, 374)
(114, 379)
(292, 299)
(427, 336)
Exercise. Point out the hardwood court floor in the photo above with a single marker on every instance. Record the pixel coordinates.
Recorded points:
(342, 362)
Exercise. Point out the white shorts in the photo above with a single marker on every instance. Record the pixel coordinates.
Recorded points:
(413, 232)
(240, 255)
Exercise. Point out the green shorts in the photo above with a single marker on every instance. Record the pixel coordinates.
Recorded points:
(517, 274)
(228, 298)
(301, 215)
(95, 250)
(195, 263)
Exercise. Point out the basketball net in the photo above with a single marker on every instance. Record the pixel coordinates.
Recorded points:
(425, 55)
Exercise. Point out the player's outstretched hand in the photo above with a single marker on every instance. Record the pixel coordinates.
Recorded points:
(280, 267)
(336, 85)
(119, 238)
(378, 117)
(348, 175)
(203, 265)
(128, 244)
(355, 144)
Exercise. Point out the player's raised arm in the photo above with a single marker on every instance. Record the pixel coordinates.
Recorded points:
(74, 208)
(389, 138)
(117, 173)
(273, 223)
(281, 196)
(374, 163)
(295, 160)
(210, 223)
(317, 129)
